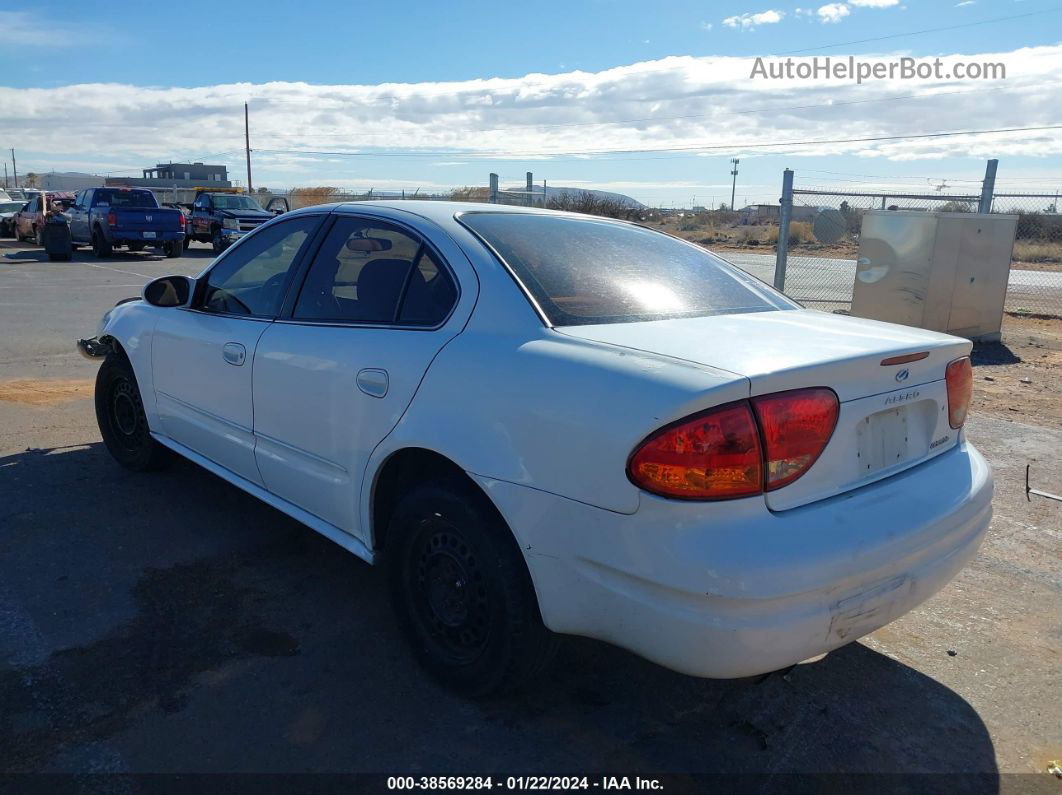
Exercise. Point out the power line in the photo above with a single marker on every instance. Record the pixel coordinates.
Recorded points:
(924, 30)
(664, 118)
(688, 148)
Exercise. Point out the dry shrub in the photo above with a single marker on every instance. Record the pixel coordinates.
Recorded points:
(591, 204)
(799, 232)
(307, 197)
(470, 194)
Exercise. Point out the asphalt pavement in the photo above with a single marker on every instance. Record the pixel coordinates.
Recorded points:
(168, 622)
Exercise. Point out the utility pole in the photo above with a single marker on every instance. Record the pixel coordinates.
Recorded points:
(733, 187)
(247, 142)
(988, 187)
(5, 181)
(530, 188)
(14, 169)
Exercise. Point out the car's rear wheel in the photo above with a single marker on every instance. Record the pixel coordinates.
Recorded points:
(187, 242)
(121, 418)
(100, 247)
(174, 248)
(38, 238)
(462, 592)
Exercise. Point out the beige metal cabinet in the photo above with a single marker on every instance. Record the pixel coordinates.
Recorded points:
(939, 271)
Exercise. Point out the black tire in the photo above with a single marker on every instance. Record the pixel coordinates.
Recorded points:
(121, 419)
(174, 249)
(100, 247)
(187, 242)
(462, 592)
(217, 242)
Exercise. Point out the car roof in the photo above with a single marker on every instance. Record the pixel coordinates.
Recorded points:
(441, 212)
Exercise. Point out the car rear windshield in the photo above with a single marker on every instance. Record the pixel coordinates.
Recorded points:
(125, 198)
(582, 271)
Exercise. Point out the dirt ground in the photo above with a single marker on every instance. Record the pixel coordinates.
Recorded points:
(168, 623)
(1021, 377)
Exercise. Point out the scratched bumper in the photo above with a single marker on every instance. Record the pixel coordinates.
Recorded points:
(732, 589)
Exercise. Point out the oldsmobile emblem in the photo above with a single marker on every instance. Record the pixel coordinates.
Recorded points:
(902, 375)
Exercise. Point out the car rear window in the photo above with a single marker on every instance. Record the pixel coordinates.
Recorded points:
(583, 271)
(125, 198)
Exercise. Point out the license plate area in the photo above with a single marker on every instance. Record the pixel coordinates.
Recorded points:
(149, 235)
(883, 440)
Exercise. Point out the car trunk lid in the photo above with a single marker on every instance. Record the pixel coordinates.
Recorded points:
(894, 411)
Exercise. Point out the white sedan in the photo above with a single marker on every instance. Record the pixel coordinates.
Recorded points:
(548, 423)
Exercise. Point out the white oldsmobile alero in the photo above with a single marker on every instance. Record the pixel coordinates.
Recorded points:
(544, 422)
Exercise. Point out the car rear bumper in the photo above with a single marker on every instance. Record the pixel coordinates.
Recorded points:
(731, 589)
(120, 238)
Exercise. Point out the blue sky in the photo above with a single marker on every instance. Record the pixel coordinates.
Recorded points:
(466, 65)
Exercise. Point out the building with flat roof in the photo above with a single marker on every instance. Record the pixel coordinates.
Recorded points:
(179, 175)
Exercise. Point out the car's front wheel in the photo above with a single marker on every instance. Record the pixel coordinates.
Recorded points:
(462, 592)
(120, 416)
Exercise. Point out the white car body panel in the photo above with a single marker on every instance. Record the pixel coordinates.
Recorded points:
(544, 421)
(731, 589)
(203, 400)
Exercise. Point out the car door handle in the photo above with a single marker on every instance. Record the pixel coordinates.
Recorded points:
(234, 353)
(373, 382)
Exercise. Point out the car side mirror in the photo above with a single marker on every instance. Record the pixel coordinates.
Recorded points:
(169, 291)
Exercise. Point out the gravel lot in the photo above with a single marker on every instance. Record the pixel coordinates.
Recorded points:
(170, 623)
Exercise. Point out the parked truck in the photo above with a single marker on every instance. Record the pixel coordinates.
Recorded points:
(223, 218)
(109, 217)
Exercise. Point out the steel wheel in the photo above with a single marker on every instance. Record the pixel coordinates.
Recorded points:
(450, 593)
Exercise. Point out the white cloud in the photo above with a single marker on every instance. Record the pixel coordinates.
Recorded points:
(832, 12)
(677, 102)
(23, 29)
(748, 21)
(706, 26)
(965, 3)
(874, 3)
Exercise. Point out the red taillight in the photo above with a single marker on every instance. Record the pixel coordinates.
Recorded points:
(718, 454)
(112, 218)
(959, 378)
(180, 220)
(714, 455)
(796, 427)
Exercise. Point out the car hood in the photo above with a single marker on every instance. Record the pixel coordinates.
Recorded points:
(249, 214)
(791, 349)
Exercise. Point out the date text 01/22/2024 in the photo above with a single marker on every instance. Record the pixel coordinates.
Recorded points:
(523, 783)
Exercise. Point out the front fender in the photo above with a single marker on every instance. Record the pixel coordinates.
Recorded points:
(129, 327)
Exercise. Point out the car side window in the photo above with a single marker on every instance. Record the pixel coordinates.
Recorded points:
(251, 279)
(430, 295)
(368, 271)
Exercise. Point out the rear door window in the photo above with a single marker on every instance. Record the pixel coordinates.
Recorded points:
(588, 270)
(368, 271)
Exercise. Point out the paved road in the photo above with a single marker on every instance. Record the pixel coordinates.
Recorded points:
(170, 623)
(817, 280)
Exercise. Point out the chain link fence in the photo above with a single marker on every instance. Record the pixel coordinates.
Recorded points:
(821, 274)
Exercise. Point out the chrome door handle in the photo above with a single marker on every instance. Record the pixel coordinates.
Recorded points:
(234, 353)
(373, 382)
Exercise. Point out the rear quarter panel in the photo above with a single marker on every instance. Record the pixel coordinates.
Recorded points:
(552, 413)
